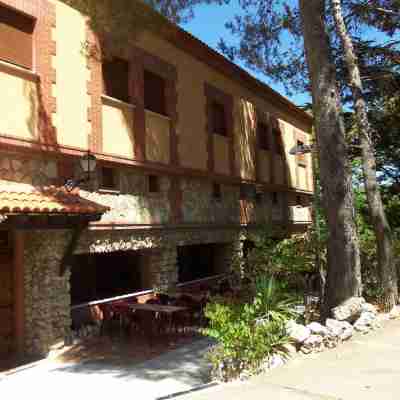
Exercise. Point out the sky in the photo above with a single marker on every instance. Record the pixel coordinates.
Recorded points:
(208, 25)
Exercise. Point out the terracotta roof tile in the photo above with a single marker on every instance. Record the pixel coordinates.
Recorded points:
(26, 199)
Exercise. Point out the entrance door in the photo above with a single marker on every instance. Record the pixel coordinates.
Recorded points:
(6, 297)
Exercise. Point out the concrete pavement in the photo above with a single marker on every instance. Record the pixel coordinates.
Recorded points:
(367, 368)
(176, 371)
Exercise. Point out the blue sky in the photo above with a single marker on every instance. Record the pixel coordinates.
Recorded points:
(209, 26)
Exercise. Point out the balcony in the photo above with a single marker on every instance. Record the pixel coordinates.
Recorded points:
(157, 137)
(19, 102)
(300, 215)
(118, 129)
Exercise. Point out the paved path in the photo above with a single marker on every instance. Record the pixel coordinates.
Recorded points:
(367, 368)
(175, 371)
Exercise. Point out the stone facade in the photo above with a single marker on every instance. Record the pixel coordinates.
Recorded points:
(46, 293)
(29, 170)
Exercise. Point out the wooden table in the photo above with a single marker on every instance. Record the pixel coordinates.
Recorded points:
(158, 309)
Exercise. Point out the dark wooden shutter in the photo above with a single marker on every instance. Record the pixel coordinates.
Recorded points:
(16, 37)
(116, 79)
(154, 93)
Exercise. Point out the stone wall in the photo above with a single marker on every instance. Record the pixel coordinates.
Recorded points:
(23, 169)
(47, 295)
(133, 204)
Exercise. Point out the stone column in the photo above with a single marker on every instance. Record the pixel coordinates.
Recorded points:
(162, 269)
(47, 295)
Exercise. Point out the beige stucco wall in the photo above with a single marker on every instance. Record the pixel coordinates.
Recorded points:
(191, 129)
(71, 119)
(118, 135)
(157, 138)
(264, 166)
(245, 138)
(221, 155)
(19, 107)
(72, 105)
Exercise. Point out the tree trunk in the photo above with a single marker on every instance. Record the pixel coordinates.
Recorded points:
(387, 267)
(343, 270)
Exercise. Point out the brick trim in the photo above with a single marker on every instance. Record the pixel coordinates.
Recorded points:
(94, 91)
(136, 85)
(45, 51)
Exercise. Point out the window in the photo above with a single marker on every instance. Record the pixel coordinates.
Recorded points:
(16, 37)
(154, 93)
(217, 193)
(262, 136)
(116, 79)
(109, 178)
(218, 119)
(278, 141)
(275, 199)
(154, 184)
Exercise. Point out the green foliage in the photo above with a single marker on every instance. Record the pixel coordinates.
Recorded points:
(248, 333)
(288, 259)
(372, 289)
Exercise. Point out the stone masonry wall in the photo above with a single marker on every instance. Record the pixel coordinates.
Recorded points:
(47, 295)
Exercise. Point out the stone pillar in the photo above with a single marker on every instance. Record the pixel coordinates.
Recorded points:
(223, 257)
(161, 267)
(47, 295)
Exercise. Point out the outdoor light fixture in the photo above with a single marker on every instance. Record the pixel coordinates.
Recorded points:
(88, 163)
(301, 149)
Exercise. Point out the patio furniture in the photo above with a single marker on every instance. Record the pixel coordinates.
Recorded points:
(158, 316)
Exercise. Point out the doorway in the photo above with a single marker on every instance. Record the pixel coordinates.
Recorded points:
(7, 335)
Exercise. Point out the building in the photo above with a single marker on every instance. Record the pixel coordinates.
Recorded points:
(192, 152)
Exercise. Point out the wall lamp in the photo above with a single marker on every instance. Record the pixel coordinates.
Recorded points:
(88, 163)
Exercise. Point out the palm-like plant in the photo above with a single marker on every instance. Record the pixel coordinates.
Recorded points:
(272, 301)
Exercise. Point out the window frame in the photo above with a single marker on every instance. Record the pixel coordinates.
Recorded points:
(20, 18)
(161, 103)
(219, 120)
(115, 186)
(153, 184)
(108, 90)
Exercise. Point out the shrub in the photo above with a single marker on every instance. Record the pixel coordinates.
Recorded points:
(248, 333)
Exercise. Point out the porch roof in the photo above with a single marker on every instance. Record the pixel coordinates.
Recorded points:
(20, 198)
